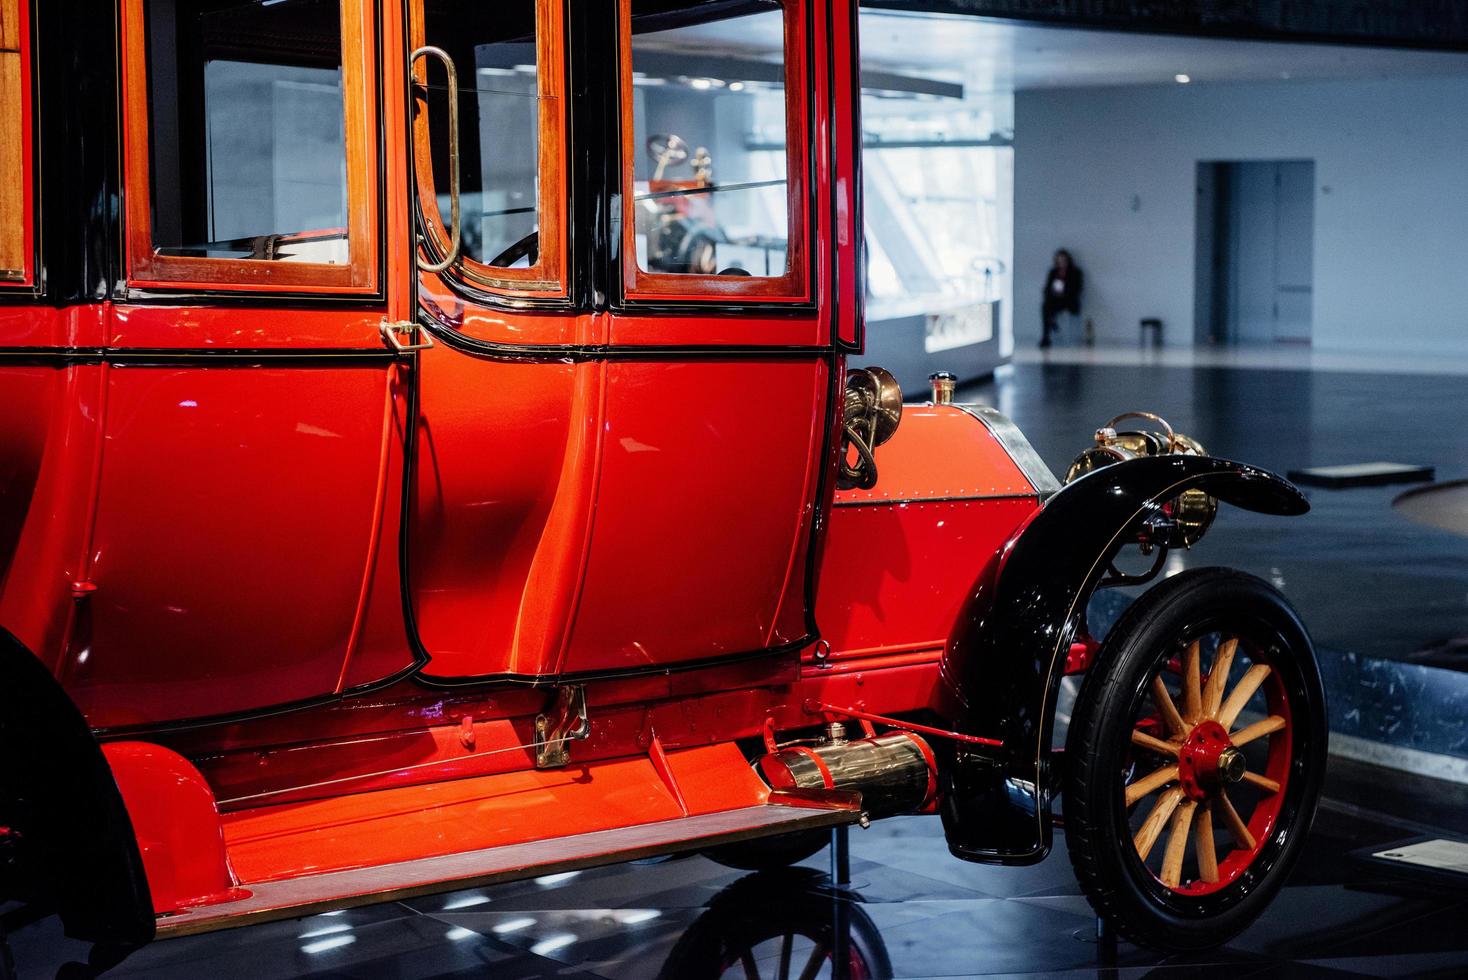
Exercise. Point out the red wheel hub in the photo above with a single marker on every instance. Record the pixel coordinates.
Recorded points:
(1207, 760)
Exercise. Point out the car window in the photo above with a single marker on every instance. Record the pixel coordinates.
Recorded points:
(712, 108)
(507, 62)
(14, 148)
(250, 158)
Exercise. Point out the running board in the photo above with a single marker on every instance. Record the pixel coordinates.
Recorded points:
(296, 897)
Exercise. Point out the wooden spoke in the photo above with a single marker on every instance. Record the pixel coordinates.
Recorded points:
(1177, 843)
(815, 962)
(1257, 730)
(787, 946)
(1203, 845)
(1143, 740)
(1152, 827)
(1235, 823)
(1218, 678)
(1263, 782)
(1241, 694)
(1154, 780)
(1192, 684)
(1167, 709)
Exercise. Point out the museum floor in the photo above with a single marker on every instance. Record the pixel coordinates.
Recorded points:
(1386, 599)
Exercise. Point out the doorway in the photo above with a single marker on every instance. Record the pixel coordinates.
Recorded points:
(1255, 252)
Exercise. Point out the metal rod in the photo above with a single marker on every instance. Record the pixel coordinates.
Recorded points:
(841, 855)
(814, 707)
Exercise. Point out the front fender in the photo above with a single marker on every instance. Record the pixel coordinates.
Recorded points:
(1004, 660)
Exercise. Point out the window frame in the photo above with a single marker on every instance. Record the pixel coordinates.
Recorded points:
(794, 286)
(359, 275)
(25, 276)
(548, 275)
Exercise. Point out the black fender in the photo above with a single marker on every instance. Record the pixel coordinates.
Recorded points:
(74, 824)
(1003, 662)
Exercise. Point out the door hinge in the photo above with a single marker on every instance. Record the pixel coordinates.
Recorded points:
(556, 729)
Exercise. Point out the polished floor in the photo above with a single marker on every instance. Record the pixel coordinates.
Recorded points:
(910, 911)
(1385, 596)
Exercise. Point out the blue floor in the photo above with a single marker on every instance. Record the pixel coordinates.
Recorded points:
(1386, 600)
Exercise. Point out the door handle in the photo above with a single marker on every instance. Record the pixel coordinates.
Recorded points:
(393, 332)
(455, 222)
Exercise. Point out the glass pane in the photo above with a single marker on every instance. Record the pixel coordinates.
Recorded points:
(248, 137)
(708, 110)
(12, 150)
(938, 172)
(493, 49)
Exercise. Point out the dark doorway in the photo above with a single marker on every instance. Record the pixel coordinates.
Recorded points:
(1255, 252)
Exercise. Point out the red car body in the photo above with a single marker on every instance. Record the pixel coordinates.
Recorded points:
(323, 560)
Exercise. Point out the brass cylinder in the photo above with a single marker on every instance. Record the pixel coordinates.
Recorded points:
(894, 772)
(943, 384)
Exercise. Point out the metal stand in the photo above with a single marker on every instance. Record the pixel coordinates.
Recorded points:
(840, 857)
(840, 910)
(1105, 943)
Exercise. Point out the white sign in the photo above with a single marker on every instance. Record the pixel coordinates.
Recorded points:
(959, 328)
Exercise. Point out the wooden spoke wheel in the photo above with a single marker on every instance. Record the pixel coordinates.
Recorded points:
(1195, 758)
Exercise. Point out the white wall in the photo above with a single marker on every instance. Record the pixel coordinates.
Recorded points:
(1111, 174)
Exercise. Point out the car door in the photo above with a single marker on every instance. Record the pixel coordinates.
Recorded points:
(249, 465)
(618, 458)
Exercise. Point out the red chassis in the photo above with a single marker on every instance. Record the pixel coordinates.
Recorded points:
(337, 566)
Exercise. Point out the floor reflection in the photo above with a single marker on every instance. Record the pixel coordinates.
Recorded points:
(910, 910)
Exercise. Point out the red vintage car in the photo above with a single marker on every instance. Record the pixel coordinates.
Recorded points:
(430, 459)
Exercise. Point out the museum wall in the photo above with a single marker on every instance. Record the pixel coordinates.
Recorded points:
(1111, 174)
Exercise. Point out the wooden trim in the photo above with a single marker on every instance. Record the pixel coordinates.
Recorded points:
(793, 286)
(148, 269)
(549, 272)
(17, 197)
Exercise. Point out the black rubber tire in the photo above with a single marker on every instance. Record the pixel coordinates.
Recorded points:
(797, 903)
(1119, 886)
(769, 853)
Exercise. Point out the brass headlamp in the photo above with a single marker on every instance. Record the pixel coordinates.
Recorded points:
(870, 413)
(1192, 511)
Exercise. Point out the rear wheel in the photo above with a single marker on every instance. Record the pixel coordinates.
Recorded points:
(1196, 754)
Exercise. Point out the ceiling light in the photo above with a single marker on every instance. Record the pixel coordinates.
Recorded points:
(1182, 79)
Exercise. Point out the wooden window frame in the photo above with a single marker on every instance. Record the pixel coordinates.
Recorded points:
(794, 285)
(548, 274)
(25, 275)
(148, 269)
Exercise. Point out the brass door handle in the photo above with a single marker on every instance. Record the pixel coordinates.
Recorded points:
(455, 220)
(393, 332)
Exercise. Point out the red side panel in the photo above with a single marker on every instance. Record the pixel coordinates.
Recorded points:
(502, 495)
(702, 507)
(234, 527)
(900, 557)
(895, 575)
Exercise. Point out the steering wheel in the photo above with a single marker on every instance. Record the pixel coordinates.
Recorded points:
(527, 247)
(667, 150)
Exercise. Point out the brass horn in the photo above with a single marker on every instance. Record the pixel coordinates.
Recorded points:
(871, 412)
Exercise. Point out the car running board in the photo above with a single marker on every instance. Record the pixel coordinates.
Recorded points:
(296, 897)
